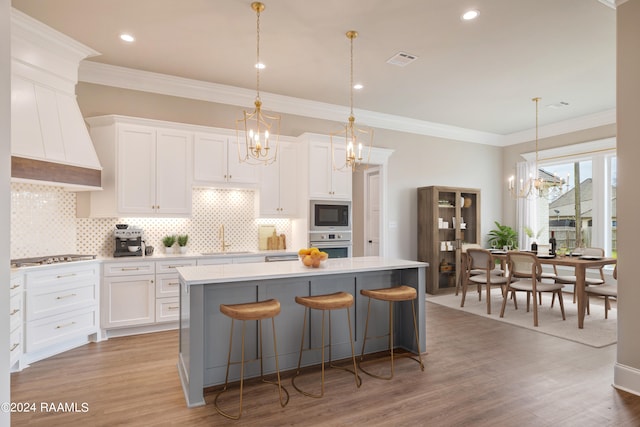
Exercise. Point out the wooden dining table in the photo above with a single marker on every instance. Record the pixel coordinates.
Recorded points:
(580, 265)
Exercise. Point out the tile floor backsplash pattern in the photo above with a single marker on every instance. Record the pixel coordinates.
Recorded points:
(43, 222)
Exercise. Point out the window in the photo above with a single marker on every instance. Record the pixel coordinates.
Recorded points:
(582, 211)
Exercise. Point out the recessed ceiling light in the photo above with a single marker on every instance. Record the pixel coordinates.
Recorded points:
(358, 86)
(260, 66)
(127, 38)
(469, 15)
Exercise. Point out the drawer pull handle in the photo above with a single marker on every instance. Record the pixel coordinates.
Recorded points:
(62, 276)
(14, 311)
(16, 286)
(179, 265)
(66, 296)
(173, 307)
(130, 269)
(173, 284)
(13, 347)
(65, 325)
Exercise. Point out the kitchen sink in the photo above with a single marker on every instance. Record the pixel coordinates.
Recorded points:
(226, 253)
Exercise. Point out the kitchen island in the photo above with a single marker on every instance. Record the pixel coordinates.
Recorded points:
(204, 331)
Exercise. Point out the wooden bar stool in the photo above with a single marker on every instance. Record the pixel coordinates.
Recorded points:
(338, 300)
(398, 293)
(251, 311)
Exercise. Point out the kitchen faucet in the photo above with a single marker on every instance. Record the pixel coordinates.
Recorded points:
(224, 244)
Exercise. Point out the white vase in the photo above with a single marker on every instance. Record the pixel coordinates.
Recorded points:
(168, 249)
(183, 249)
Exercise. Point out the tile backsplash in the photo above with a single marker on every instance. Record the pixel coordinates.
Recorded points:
(43, 222)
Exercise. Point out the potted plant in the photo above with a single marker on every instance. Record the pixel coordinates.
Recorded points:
(168, 242)
(182, 242)
(532, 235)
(502, 236)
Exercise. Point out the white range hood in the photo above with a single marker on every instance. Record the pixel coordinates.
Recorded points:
(49, 139)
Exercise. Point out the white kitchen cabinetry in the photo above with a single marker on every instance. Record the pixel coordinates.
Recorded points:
(61, 308)
(279, 183)
(168, 289)
(16, 289)
(324, 182)
(128, 294)
(216, 161)
(147, 169)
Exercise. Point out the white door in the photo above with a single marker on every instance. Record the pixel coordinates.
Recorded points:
(372, 212)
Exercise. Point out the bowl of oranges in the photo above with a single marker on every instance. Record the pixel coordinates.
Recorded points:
(312, 257)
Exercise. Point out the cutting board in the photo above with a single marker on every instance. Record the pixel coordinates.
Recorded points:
(276, 242)
(264, 233)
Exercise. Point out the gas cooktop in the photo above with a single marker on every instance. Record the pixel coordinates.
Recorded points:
(55, 259)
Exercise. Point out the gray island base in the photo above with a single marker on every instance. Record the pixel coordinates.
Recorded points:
(204, 331)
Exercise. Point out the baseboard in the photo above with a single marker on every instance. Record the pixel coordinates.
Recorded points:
(626, 378)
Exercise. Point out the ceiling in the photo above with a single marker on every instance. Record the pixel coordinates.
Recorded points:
(478, 75)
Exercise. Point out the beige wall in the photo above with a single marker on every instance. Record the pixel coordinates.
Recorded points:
(417, 160)
(627, 371)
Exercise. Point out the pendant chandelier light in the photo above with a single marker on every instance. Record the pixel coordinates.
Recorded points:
(349, 144)
(259, 144)
(544, 187)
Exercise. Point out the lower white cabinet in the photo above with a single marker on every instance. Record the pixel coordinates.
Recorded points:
(128, 294)
(168, 289)
(61, 308)
(142, 294)
(16, 312)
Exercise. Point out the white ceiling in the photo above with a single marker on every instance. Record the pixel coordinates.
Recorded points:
(478, 75)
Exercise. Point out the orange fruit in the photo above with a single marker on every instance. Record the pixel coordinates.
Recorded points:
(307, 260)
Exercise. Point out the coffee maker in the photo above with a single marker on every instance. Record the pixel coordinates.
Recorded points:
(128, 241)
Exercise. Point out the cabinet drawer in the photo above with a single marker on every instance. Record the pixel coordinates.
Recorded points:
(62, 275)
(215, 261)
(15, 311)
(129, 268)
(53, 330)
(16, 285)
(170, 266)
(167, 309)
(52, 300)
(15, 345)
(167, 285)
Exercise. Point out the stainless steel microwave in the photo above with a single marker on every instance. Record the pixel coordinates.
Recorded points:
(330, 215)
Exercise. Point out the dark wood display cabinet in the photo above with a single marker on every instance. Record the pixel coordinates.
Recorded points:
(447, 218)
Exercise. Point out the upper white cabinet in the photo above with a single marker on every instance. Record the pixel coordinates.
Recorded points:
(216, 161)
(279, 183)
(324, 182)
(147, 169)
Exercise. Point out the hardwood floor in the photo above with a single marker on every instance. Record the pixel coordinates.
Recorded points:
(478, 372)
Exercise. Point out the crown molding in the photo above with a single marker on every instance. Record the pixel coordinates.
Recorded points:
(560, 128)
(146, 81)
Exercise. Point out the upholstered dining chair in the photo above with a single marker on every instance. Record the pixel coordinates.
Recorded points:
(479, 270)
(606, 290)
(497, 271)
(588, 281)
(525, 275)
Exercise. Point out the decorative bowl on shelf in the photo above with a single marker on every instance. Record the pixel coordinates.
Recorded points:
(312, 257)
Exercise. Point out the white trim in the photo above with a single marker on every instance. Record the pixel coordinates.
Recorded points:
(128, 78)
(626, 378)
(607, 144)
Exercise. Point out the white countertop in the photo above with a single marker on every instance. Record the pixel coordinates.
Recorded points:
(259, 271)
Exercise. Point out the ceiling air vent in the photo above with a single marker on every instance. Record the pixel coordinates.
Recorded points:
(401, 59)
